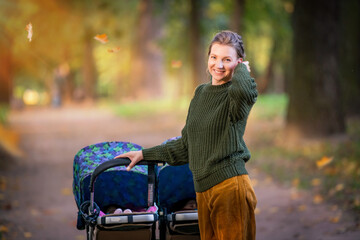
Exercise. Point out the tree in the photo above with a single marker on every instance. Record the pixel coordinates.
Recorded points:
(350, 55)
(5, 68)
(147, 59)
(237, 23)
(197, 52)
(315, 102)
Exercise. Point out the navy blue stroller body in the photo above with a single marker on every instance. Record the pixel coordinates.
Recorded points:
(157, 196)
(177, 202)
(95, 170)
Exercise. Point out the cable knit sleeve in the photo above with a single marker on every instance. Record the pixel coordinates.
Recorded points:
(173, 152)
(242, 93)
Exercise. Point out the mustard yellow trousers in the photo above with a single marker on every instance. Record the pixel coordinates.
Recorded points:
(226, 211)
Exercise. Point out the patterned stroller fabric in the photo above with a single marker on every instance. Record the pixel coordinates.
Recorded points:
(128, 189)
(171, 189)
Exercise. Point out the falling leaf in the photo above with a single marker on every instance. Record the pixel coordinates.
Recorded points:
(29, 30)
(176, 64)
(324, 161)
(316, 182)
(27, 234)
(318, 199)
(101, 38)
(114, 50)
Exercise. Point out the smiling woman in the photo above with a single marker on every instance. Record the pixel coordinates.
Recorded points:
(213, 145)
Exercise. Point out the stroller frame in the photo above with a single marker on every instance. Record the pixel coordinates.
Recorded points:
(92, 219)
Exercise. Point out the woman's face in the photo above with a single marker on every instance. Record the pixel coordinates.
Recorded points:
(222, 62)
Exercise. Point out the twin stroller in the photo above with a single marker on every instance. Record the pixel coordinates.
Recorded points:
(160, 199)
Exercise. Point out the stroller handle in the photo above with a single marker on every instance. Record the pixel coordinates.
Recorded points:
(116, 162)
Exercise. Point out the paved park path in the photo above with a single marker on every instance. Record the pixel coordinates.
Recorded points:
(36, 200)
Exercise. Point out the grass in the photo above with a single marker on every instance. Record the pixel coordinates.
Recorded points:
(270, 106)
(139, 109)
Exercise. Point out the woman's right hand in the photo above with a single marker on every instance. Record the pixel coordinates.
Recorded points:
(134, 156)
(247, 64)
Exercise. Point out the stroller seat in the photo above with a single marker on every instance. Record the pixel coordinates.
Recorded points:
(175, 189)
(95, 169)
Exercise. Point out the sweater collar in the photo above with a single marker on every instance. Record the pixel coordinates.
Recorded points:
(216, 88)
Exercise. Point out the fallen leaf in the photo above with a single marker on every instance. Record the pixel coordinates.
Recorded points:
(301, 208)
(35, 212)
(295, 195)
(29, 30)
(50, 211)
(80, 237)
(357, 202)
(339, 187)
(114, 50)
(273, 210)
(66, 191)
(295, 182)
(334, 208)
(324, 161)
(101, 38)
(3, 183)
(27, 234)
(3, 229)
(335, 219)
(254, 182)
(318, 199)
(268, 180)
(315, 182)
(331, 171)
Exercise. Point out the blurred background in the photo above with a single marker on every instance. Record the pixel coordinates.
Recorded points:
(142, 59)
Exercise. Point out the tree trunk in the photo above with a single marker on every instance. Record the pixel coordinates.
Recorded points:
(89, 68)
(197, 51)
(147, 59)
(350, 55)
(237, 23)
(315, 106)
(5, 71)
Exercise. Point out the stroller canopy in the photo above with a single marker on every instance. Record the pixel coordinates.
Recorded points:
(116, 186)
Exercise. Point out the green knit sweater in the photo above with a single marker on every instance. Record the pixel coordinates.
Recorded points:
(212, 139)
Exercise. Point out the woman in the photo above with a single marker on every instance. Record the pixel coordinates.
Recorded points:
(213, 145)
